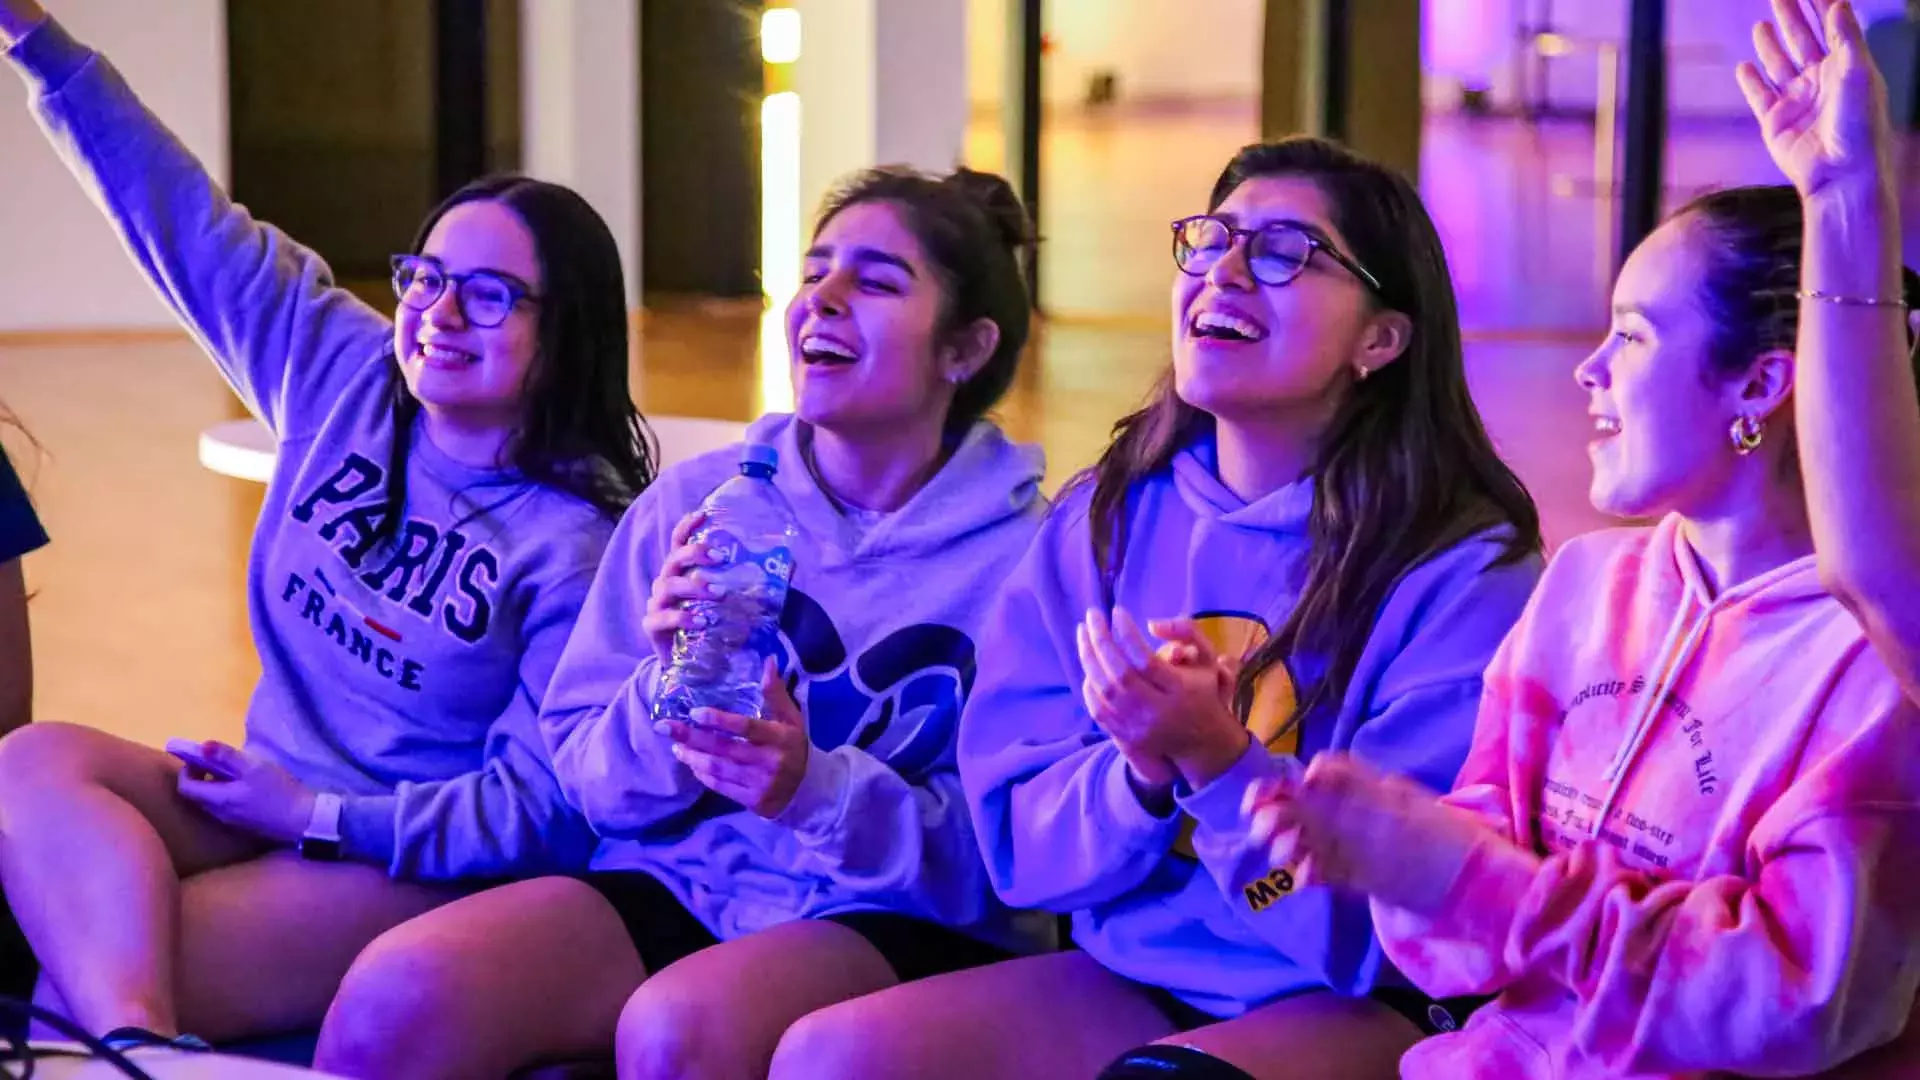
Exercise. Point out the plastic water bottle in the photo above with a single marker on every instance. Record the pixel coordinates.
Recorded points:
(750, 531)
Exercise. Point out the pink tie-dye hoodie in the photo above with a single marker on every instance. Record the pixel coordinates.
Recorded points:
(1705, 832)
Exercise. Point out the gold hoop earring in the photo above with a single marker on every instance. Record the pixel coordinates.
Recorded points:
(1746, 434)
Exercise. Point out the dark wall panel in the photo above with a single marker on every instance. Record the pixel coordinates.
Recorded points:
(701, 83)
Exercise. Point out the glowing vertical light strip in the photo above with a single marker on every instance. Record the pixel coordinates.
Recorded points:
(780, 35)
(780, 194)
(779, 240)
(780, 218)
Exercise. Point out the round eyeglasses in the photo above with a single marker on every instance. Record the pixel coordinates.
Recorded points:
(1276, 253)
(486, 298)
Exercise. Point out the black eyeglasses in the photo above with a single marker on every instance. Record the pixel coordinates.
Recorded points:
(485, 298)
(1276, 253)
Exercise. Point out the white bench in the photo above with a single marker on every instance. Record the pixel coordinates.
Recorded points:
(245, 448)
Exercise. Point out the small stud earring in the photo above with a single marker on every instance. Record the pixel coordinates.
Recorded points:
(1360, 372)
(1746, 434)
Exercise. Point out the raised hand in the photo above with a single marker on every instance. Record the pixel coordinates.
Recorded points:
(1821, 103)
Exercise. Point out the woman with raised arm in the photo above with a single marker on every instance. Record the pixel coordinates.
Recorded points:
(1687, 838)
(446, 482)
(1823, 111)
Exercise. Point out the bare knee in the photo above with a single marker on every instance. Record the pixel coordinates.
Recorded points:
(45, 764)
(668, 1031)
(43, 752)
(37, 760)
(396, 1013)
(843, 1042)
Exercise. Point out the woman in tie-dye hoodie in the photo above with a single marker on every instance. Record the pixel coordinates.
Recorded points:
(1685, 840)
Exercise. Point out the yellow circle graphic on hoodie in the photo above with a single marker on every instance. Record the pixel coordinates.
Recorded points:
(1274, 694)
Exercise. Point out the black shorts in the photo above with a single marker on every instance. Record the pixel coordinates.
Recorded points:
(18, 972)
(664, 931)
(1432, 1016)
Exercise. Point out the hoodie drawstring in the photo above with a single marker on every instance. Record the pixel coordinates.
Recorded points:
(1669, 663)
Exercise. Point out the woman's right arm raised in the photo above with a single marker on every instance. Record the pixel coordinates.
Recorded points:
(1823, 113)
(263, 307)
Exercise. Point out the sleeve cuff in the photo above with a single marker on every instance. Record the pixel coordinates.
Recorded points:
(1217, 805)
(818, 803)
(367, 824)
(20, 532)
(1116, 793)
(47, 56)
(1486, 896)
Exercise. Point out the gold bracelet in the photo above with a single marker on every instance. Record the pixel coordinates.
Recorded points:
(1852, 301)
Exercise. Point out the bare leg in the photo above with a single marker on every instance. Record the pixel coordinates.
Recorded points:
(264, 943)
(47, 996)
(1060, 1014)
(1310, 1037)
(719, 1013)
(533, 971)
(94, 840)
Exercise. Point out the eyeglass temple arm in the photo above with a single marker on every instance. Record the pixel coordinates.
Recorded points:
(1353, 267)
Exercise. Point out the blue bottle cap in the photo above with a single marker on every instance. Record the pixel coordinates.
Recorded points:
(759, 454)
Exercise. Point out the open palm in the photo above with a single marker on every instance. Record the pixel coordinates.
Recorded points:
(1821, 103)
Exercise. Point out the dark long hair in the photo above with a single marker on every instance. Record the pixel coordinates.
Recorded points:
(975, 232)
(1404, 471)
(1750, 289)
(579, 431)
(1750, 285)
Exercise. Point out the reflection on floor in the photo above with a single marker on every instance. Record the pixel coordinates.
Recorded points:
(139, 618)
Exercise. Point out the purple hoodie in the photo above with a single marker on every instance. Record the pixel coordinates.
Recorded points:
(879, 638)
(406, 678)
(1183, 902)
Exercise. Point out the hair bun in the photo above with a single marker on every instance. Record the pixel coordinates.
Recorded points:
(999, 202)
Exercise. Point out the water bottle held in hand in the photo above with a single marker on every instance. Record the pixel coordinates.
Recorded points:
(750, 530)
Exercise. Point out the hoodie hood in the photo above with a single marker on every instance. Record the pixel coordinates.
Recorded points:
(987, 480)
(1196, 476)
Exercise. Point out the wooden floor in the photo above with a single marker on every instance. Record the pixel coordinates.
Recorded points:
(138, 614)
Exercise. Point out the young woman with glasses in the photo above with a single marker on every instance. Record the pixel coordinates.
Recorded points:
(1303, 542)
(446, 482)
(754, 869)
